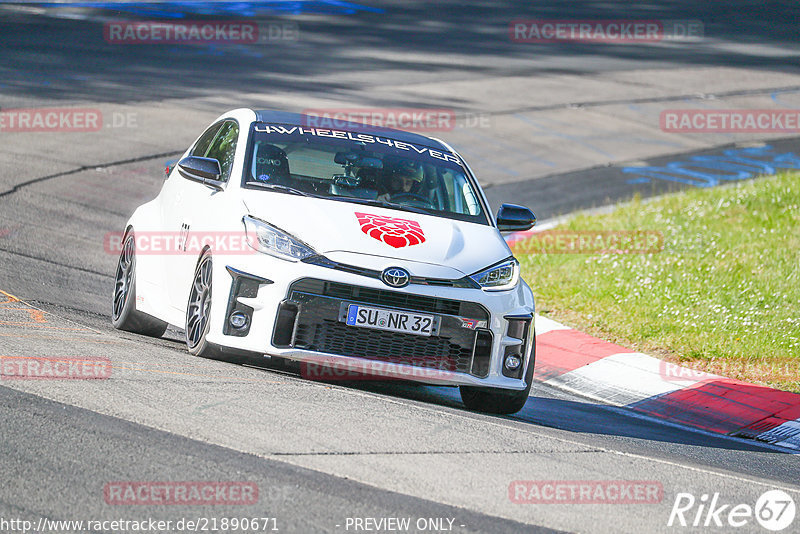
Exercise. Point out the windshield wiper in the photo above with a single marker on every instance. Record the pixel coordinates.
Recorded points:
(367, 201)
(281, 188)
(383, 204)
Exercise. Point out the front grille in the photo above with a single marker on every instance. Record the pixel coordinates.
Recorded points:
(318, 328)
(337, 338)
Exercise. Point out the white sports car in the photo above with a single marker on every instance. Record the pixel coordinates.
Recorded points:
(356, 247)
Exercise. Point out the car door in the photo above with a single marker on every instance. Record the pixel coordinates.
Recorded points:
(191, 205)
(155, 266)
(172, 192)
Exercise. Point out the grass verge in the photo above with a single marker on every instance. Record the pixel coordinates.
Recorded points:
(722, 296)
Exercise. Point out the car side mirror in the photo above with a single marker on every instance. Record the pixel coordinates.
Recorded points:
(204, 170)
(513, 218)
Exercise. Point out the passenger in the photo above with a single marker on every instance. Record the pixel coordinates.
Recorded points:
(272, 165)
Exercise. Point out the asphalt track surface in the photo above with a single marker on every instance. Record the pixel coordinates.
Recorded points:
(323, 453)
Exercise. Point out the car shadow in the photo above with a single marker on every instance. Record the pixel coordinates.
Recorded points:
(545, 407)
(570, 415)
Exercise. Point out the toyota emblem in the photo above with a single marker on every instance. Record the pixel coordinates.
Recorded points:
(395, 277)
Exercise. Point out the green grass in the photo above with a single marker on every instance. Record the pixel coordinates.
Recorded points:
(722, 296)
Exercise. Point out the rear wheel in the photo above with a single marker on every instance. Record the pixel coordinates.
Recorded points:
(500, 401)
(124, 315)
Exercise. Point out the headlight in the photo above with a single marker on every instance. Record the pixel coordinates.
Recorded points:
(503, 275)
(267, 239)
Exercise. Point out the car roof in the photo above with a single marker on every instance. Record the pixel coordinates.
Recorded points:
(299, 119)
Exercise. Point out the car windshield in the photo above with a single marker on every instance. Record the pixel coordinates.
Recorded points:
(361, 168)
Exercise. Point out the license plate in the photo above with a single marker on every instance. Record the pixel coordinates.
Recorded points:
(391, 320)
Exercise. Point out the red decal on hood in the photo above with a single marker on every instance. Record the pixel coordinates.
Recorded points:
(392, 231)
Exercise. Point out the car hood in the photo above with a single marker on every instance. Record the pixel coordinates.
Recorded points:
(344, 229)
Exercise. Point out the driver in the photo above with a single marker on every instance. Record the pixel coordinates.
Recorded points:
(405, 179)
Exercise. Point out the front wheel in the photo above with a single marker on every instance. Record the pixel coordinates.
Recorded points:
(124, 315)
(198, 311)
(500, 401)
(198, 319)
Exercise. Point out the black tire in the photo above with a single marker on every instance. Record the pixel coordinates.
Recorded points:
(500, 401)
(124, 315)
(198, 311)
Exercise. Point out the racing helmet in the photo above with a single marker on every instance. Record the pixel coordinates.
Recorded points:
(409, 169)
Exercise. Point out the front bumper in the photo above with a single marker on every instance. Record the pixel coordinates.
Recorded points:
(294, 311)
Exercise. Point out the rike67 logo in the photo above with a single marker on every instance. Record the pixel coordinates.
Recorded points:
(774, 510)
(394, 232)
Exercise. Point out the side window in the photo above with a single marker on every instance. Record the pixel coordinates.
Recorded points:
(201, 147)
(461, 198)
(224, 147)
